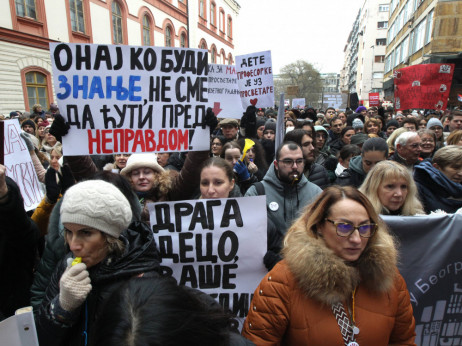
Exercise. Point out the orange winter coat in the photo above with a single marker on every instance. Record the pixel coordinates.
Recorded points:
(292, 304)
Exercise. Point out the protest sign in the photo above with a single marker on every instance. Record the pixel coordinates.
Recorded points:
(224, 91)
(423, 86)
(374, 99)
(19, 166)
(287, 103)
(431, 264)
(298, 103)
(332, 100)
(126, 99)
(19, 330)
(214, 245)
(255, 79)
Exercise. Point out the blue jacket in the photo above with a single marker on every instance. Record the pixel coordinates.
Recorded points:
(436, 190)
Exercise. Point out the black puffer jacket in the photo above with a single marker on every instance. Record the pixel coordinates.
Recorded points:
(317, 174)
(18, 241)
(140, 257)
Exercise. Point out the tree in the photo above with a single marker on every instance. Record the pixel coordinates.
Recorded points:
(304, 75)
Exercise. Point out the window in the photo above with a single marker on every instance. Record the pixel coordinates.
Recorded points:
(202, 8)
(384, 8)
(168, 37)
(146, 31)
(183, 40)
(230, 27)
(381, 42)
(214, 55)
(379, 58)
(117, 23)
(230, 59)
(428, 28)
(222, 20)
(377, 75)
(382, 25)
(77, 21)
(212, 14)
(36, 84)
(418, 39)
(26, 8)
(405, 48)
(387, 63)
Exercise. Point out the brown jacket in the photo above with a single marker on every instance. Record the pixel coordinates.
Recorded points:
(292, 304)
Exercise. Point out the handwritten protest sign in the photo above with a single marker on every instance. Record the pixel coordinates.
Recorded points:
(19, 166)
(423, 86)
(255, 78)
(124, 99)
(224, 91)
(215, 245)
(298, 103)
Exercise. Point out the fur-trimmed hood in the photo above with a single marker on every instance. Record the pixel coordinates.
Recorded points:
(327, 278)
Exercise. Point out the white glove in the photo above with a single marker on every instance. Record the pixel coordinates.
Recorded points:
(74, 287)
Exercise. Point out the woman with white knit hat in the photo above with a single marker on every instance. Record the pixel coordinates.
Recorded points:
(105, 251)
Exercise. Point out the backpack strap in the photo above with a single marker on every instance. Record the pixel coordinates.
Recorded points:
(260, 188)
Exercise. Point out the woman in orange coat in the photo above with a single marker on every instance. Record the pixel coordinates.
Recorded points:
(338, 283)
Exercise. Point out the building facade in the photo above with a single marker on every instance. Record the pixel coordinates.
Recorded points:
(422, 32)
(365, 51)
(27, 27)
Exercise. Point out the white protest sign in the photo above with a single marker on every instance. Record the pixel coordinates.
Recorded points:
(214, 245)
(224, 91)
(126, 99)
(255, 78)
(298, 103)
(332, 100)
(19, 166)
(19, 330)
(286, 102)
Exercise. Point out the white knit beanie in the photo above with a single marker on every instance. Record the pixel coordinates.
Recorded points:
(135, 161)
(97, 204)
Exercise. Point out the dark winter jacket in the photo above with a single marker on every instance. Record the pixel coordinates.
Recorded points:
(436, 191)
(336, 145)
(18, 242)
(317, 174)
(354, 175)
(140, 257)
(285, 201)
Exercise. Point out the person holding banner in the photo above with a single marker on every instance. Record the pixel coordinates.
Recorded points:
(440, 182)
(338, 283)
(217, 180)
(391, 190)
(107, 249)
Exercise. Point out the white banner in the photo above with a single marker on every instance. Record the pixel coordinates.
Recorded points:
(214, 245)
(224, 91)
(298, 103)
(255, 78)
(19, 166)
(126, 99)
(19, 330)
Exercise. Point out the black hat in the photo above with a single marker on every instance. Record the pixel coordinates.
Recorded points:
(28, 122)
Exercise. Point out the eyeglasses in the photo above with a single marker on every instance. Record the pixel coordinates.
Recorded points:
(345, 229)
(290, 162)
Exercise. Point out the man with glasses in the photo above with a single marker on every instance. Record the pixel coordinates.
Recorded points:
(286, 188)
(408, 146)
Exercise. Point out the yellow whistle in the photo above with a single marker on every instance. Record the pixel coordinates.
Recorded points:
(76, 261)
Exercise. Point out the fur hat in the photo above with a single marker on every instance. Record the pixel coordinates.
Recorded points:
(97, 204)
(136, 161)
(357, 124)
(434, 122)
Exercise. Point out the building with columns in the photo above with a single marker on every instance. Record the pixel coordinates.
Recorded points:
(28, 26)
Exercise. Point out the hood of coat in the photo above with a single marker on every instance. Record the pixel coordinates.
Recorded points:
(356, 164)
(327, 278)
(140, 256)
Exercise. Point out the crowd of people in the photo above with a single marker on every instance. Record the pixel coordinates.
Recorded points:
(329, 254)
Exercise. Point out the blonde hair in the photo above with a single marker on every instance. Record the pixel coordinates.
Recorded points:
(450, 155)
(392, 138)
(454, 137)
(380, 174)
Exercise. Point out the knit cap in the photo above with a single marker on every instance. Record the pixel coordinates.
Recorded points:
(261, 121)
(270, 125)
(392, 122)
(360, 109)
(135, 161)
(434, 122)
(97, 204)
(28, 122)
(357, 124)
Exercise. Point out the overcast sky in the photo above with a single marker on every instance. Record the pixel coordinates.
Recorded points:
(311, 30)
